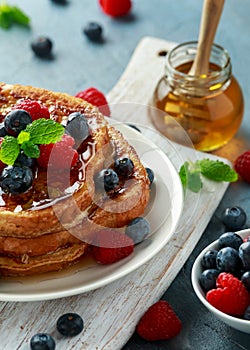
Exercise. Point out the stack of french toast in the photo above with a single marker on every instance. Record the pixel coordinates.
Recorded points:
(51, 225)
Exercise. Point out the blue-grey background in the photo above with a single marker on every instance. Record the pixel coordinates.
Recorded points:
(79, 64)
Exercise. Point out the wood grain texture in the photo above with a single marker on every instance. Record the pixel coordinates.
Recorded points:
(112, 312)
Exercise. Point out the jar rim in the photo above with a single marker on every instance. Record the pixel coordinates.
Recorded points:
(192, 45)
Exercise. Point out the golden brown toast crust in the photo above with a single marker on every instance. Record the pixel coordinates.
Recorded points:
(71, 221)
(55, 261)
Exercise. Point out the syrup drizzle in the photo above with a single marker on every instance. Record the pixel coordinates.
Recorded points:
(63, 186)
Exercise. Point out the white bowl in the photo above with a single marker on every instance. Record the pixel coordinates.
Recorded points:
(234, 322)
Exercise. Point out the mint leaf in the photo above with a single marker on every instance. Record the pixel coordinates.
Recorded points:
(19, 16)
(24, 136)
(30, 150)
(217, 170)
(9, 150)
(183, 173)
(190, 176)
(12, 14)
(5, 16)
(44, 131)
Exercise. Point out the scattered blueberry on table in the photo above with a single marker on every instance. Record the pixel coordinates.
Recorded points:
(42, 341)
(70, 324)
(234, 218)
(93, 31)
(42, 46)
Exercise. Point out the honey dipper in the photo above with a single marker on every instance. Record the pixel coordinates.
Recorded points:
(211, 14)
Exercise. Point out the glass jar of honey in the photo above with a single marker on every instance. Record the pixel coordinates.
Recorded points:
(208, 107)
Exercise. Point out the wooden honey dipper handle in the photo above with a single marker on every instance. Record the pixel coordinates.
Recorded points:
(210, 18)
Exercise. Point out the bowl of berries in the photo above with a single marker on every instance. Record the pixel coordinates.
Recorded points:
(221, 278)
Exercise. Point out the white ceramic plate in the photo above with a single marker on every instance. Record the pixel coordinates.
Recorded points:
(163, 213)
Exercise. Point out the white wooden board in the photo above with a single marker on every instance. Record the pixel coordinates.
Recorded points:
(112, 312)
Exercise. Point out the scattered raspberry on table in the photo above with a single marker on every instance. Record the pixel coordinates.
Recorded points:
(116, 8)
(159, 322)
(242, 166)
(96, 98)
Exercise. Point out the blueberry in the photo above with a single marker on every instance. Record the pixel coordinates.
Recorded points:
(108, 179)
(208, 279)
(138, 229)
(151, 175)
(228, 260)
(234, 218)
(3, 131)
(22, 160)
(16, 121)
(16, 180)
(42, 46)
(230, 239)
(42, 341)
(245, 279)
(208, 260)
(70, 324)
(124, 167)
(246, 315)
(93, 31)
(77, 127)
(244, 253)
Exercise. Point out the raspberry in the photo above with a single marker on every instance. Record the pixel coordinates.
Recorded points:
(63, 155)
(159, 322)
(96, 98)
(115, 8)
(242, 166)
(230, 296)
(110, 246)
(34, 108)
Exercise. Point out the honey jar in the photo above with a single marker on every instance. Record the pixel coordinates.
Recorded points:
(208, 107)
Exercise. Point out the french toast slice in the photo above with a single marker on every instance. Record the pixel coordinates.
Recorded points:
(55, 261)
(56, 234)
(32, 222)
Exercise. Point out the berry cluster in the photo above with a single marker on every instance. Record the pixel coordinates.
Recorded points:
(225, 278)
(110, 245)
(68, 325)
(17, 178)
(110, 178)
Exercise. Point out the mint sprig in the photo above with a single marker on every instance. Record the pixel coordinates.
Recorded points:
(12, 14)
(44, 131)
(191, 173)
(41, 131)
(9, 150)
